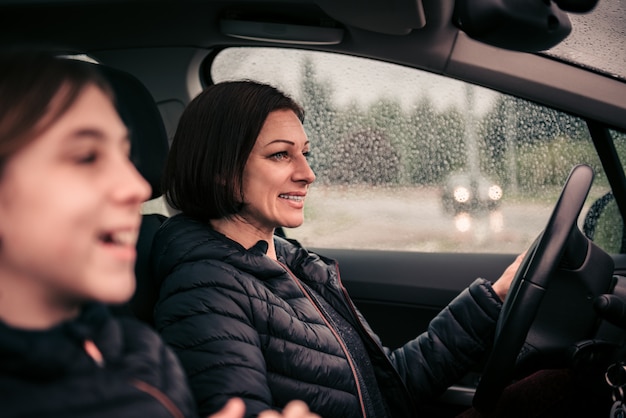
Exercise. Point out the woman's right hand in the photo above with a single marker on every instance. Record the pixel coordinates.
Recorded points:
(235, 408)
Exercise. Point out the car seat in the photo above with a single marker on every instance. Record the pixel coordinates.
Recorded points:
(149, 148)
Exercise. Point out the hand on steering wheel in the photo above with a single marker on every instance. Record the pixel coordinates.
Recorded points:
(529, 285)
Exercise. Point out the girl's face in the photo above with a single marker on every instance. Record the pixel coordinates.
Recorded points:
(70, 208)
(277, 174)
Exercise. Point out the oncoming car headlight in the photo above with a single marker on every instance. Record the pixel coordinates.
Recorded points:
(461, 194)
(495, 192)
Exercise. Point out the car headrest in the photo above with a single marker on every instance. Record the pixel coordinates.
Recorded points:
(137, 108)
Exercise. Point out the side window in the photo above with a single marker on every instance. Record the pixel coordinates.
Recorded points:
(604, 223)
(411, 161)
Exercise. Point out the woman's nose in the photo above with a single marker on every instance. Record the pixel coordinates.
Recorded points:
(304, 171)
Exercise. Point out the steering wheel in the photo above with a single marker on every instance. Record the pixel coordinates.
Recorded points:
(529, 286)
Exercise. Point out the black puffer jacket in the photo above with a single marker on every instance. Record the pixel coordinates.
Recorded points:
(243, 325)
(50, 374)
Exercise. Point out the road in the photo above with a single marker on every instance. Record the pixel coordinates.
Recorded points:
(412, 219)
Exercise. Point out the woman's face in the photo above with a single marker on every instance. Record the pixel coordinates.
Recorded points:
(70, 208)
(277, 175)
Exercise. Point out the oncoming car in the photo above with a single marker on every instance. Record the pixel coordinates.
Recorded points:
(467, 192)
(403, 100)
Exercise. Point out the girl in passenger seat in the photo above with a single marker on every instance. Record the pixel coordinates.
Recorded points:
(69, 217)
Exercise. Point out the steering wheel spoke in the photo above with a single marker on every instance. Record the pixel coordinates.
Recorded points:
(561, 245)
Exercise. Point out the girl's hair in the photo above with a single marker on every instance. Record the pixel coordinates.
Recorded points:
(216, 133)
(36, 89)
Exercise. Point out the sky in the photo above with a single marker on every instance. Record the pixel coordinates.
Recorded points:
(351, 79)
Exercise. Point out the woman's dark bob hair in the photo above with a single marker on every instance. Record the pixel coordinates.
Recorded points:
(204, 173)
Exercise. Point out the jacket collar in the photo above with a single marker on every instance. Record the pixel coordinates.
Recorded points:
(183, 239)
(60, 350)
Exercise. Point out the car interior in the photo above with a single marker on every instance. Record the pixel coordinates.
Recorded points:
(149, 147)
(567, 306)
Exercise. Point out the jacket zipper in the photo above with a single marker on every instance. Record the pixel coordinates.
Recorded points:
(336, 334)
(93, 351)
(161, 397)
(350, 305)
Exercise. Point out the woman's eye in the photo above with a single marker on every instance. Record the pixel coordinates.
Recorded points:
(279, 156)
(306, 154)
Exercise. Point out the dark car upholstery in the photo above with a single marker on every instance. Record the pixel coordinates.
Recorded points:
(149, 147)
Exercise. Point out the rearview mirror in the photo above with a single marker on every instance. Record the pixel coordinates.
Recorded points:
(576, 6)
(520, 25)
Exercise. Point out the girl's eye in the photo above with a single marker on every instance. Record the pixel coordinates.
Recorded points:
(306, 154)
(87, 158)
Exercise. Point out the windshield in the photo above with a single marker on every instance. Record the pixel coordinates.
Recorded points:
(597, 40)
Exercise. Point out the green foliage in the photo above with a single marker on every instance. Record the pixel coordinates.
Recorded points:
(549, 162)
(526, 146)
(319, 122)
(609, 229)
(365, 157)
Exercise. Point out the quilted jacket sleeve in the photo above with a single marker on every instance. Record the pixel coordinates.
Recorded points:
(205, 314)
(154, 363)
(456, 340)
